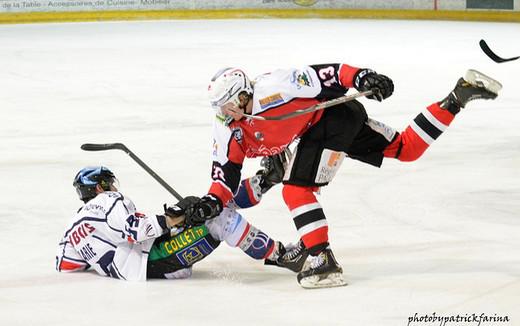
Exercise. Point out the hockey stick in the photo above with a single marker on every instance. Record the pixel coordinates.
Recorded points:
(316, 107)
(120, 146)
(492, 55)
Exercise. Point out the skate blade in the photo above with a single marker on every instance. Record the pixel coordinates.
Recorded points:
(316, 282)
(478, 79)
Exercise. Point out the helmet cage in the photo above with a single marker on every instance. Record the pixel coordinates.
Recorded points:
(227, 86)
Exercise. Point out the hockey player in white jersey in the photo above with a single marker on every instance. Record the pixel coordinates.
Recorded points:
(108, 235)
(326, 137)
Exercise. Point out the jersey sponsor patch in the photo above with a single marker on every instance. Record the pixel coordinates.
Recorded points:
(329, 164)
(177, 244)
(194, 253)
(270, 101)
(80, 232)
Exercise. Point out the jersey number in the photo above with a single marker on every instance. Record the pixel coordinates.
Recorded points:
(218, 174)
(327, 75)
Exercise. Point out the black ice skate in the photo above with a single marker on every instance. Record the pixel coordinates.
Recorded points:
(293, 258)
(475, 85)
(323, 272)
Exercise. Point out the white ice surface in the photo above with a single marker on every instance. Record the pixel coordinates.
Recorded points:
(438, 235)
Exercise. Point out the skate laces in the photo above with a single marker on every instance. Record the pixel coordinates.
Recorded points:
(318, 261)
(295, 252)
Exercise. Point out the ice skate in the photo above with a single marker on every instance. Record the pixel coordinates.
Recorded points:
(475, 85)
(293, 258)
(323, 272)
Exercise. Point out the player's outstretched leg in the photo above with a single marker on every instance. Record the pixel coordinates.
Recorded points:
(475, 85)
(429, 125)
(323, 271)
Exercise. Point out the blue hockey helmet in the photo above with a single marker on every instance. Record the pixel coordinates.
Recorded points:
(88, 178)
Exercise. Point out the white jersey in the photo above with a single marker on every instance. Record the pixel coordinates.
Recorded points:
(282, 86)
(108, 235)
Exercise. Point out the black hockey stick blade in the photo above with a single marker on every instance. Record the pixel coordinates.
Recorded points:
(492, 55)
(103, 147)
(121, 146)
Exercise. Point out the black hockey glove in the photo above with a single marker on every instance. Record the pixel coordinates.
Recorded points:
(199, 210)
(179, 209)
(273, 169)
(381, 85)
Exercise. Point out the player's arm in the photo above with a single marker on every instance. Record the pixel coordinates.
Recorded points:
(337, 78)
(251, 189)
(228, 157)
(136, 227)
(68, 259)
(226, 180)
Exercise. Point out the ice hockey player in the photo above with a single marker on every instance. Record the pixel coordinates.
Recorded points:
(110, 236)
(325, 138)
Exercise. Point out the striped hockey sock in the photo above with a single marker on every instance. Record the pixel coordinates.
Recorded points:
(308, 216)
(420, 134)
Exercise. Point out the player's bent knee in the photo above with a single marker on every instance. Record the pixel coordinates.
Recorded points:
(233, 228)
(406, 147)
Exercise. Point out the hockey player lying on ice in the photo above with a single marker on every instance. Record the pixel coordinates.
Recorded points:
(108, 235)
(325, 138)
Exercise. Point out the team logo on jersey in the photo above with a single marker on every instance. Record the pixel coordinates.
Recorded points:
(300, 79)
(270, 101)
(259, 136)
(303, 80)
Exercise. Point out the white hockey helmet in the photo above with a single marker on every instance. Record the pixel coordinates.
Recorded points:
(225, 87)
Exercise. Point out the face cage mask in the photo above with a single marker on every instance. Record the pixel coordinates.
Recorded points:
(221, 116)
(86, 192)
(107, 184)
(225, 119)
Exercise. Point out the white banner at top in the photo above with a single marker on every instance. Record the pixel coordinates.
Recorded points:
(12, 6)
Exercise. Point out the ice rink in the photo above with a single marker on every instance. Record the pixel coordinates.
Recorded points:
(440, 235)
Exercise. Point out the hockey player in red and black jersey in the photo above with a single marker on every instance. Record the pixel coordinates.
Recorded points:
(325, 138)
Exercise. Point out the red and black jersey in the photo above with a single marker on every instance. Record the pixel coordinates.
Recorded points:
(275, 93)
